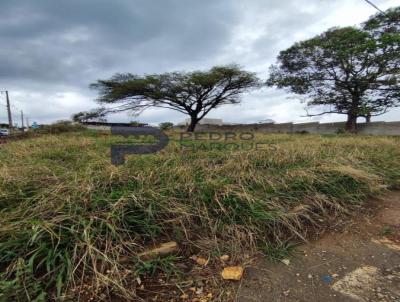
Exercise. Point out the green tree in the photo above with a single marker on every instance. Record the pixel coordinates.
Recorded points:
(166, 125)
(351, 71)
(192, 93)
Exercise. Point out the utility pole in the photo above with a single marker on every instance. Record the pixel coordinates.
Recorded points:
(10, 124)
(22, 120)
(27, 122)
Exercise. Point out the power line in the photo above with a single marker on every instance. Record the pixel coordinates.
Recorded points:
(373, 5)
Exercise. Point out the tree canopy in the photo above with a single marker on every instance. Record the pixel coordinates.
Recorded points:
(352, 71)
(193, 93)
(97, 115)
(166, 125)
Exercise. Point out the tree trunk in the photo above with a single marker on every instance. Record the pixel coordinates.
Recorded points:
(192, 125)
(351, 124)
(368, 118)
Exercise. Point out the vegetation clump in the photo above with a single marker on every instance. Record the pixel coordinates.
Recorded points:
(70, 219)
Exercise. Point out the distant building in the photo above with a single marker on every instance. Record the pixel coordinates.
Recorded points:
(204, 121)
(35, 125)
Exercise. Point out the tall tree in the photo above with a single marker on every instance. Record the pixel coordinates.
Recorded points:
(193, 93)
(351, 71)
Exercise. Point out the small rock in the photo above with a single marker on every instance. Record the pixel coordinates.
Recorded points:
(224, 258)
(309, 276)
(201, 261)
(232, 273)
(184, 296)
(286, 261)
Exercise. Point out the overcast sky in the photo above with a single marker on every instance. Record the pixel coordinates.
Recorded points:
(51, 50)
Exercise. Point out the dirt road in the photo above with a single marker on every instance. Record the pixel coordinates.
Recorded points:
(362, 263)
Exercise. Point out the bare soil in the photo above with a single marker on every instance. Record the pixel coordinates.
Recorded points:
(359, 263)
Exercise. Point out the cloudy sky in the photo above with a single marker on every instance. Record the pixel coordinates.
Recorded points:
(51, 50)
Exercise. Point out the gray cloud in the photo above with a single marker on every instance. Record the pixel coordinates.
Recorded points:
(51, 50)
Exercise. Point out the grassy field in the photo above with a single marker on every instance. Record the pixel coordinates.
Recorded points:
(69, 220)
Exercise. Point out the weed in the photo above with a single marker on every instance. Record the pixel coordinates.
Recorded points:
(151, 267)
(275, 252)
(386, 230)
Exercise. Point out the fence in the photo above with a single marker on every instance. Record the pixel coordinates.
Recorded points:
(373, 128)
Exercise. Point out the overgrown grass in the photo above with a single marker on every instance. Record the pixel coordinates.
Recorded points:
(68, 217)
(277, 251)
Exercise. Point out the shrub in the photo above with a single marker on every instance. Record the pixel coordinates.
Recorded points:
(166, 126)
(60, 127)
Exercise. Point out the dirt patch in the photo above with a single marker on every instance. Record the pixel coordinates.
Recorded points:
(361, 263)
(356, 283)
(390, 212)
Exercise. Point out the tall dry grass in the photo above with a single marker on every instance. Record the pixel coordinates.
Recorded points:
(70, 220)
